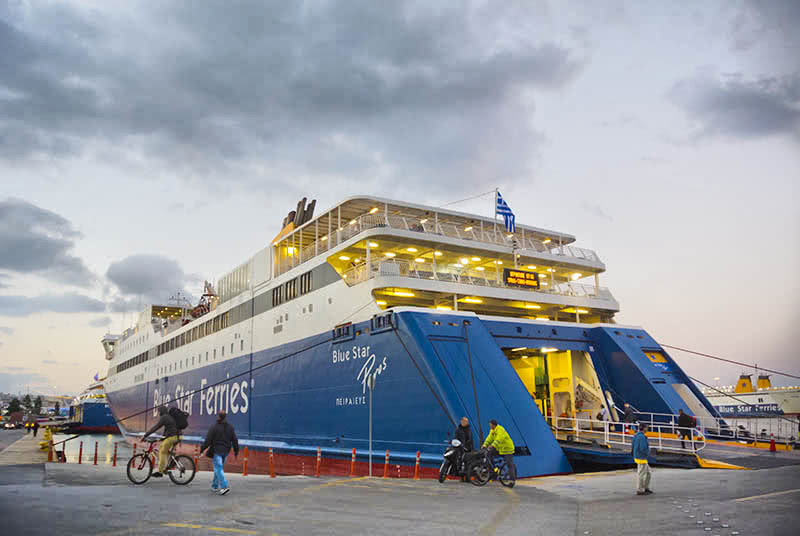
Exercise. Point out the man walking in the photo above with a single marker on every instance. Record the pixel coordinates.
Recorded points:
(685, 425)
(170, 438)
(641, 450)
(35, 428)
(219, 440)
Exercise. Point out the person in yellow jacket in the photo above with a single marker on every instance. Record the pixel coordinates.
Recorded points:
(499, 442)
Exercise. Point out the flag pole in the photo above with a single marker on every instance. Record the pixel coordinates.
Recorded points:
(495, 213)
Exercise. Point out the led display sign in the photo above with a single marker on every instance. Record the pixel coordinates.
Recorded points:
(520, 278)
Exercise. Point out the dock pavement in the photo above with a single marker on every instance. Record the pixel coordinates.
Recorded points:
(42, 498)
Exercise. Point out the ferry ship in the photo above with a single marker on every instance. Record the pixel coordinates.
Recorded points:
(450, 314)
(763, 400)
(90, 411)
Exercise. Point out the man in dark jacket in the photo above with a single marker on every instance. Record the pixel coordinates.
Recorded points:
(640, 449)
(170, 438)
(685, 425)
(464, 434)
(220, 439)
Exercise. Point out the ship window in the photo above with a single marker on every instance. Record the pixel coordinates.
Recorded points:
(222, 351)
(286, 316)
(241, 345)
(231, 348)
(192, 360)
(215, 353)
(310, 307)
(206, 356)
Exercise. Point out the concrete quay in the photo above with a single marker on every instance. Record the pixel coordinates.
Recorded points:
(43, 498)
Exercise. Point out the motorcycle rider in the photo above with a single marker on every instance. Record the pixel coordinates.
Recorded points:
(499, 442)
(464, 434)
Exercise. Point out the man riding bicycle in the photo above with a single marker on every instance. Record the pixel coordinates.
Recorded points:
(170, 438)
(499, 442)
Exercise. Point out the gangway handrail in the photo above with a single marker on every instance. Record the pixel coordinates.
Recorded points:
(719, 426)
(619, 437)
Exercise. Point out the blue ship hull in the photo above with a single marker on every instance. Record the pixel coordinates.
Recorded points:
(430, 368)
(96, 417)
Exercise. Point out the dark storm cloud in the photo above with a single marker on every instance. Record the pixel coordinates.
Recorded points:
(102, 322)
(36, 240)
(143, 279)
(53, 303)
(740, 108)
(313, 87)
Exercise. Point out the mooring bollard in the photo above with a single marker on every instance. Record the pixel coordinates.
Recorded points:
(244, 467)
(50, 451)
(80, 453)
(271, 464)
(416, 468)
(386, 466)
(114, 463)
(319, 460)
(353, 464)
(95, 452)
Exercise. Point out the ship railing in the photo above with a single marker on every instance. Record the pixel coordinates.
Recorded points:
(489, 234)
(620, 434)
(781, 429)
(466, 275)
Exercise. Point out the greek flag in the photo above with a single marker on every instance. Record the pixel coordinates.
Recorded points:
(502, 208)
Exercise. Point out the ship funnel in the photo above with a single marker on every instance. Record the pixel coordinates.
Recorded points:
(763, 381)
(744, 385)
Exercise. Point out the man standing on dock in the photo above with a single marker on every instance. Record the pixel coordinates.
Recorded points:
(640, 448)
(219, 440)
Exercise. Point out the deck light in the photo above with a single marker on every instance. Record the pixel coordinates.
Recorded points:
(357, 259)
(412, 250)
(480, 268)
(542, 318)
(509, 235)
(374, 210)
(544, 283)
(324, 238)
(583, 311)
(532, 306)
(525, 357)
(476, 259)
(546, 350)
(473, 300)
(546, 241)
(352, 222)
(437, 253)
(389, 254)
(575, 276)
(464, 260)
(498, 262)
(381, 302)
(404, 294)
(458, 265)
(519, 349)
(468, 228)
(373, 244)
(419, 260)
(344, 258)
(551, 270)
(531, 267)
(444, 308)
(424, 220)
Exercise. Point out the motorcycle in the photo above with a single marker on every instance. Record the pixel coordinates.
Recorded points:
(453, 459)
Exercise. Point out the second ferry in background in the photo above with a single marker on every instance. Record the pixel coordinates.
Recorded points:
(452, 314)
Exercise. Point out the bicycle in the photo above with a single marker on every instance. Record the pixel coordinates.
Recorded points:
(485, 469)
(181, 468)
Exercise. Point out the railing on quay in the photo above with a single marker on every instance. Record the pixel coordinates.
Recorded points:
(466, 275)
(620, 434)
(780, 429)
(488, 235)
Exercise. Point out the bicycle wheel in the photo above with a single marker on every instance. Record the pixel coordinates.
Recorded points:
(183, 470)
(480, 474)
(140, 467)
(504, 476)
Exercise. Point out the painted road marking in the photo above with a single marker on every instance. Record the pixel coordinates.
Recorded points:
(207, 527)
(502, 514)
(775, 494)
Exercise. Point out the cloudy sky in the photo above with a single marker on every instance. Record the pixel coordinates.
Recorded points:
(146, 146)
